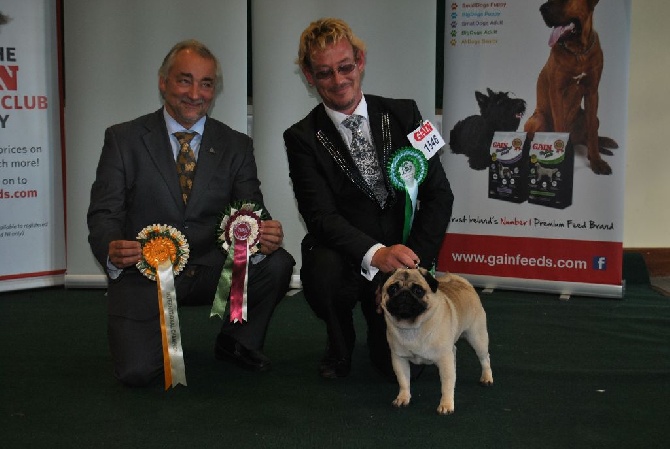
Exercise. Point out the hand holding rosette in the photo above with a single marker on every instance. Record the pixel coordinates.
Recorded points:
(407, 169)
(164, 255)
(238, 235)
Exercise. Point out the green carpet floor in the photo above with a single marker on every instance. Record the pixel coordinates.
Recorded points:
(583, 373)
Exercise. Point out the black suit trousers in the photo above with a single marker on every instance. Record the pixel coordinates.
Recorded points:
(333, 286)
(136, 345)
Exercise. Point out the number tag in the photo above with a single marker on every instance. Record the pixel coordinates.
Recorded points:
(426, 139)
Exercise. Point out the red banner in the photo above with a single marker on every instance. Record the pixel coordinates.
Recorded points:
(532, 258)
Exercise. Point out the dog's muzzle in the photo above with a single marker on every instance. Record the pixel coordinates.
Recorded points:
(405, 306)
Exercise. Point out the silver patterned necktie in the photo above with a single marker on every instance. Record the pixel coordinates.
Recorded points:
(365, 157)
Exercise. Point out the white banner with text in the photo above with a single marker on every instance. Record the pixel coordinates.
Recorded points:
(32, 225)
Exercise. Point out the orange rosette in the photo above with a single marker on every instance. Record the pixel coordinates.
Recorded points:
(164, 255)
(161, 243)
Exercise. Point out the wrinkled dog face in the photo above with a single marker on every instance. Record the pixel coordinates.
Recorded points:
(406, 294)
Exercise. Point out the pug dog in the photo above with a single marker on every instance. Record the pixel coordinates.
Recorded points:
(425, 317)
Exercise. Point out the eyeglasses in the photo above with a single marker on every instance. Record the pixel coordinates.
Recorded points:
(344, 69)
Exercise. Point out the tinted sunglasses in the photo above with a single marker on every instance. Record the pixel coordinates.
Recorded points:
(344, 69)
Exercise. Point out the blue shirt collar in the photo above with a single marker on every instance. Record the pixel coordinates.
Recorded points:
(173, 126)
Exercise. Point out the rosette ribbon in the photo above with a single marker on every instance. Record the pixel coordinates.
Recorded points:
(164, 255)
(407, 169)
(238, 235)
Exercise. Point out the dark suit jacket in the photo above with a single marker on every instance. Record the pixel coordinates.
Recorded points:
(137, 185)
(339, 209)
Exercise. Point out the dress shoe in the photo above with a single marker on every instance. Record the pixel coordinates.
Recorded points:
(227, 348)
(333, 367)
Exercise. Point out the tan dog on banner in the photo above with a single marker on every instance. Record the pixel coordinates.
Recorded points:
(424, 319)
(572, 75)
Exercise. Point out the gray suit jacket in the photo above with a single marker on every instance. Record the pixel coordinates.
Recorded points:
(137, 185)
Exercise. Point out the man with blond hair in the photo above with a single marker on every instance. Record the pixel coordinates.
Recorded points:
(337, 157)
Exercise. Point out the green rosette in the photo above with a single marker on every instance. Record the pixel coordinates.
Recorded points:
(406, 162)
(407, 169)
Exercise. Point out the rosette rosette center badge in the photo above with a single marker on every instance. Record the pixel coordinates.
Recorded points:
(242, 231)
(238, 235)
(158, 250)
(407, 169)
(164, 255)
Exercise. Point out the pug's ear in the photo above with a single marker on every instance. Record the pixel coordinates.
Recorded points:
(381, 278)
(430, 280)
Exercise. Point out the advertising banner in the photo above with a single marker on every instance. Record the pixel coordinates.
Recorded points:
(32, 234)
(534, 113)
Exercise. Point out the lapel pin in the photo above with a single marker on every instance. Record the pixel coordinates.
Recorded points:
(211, 150)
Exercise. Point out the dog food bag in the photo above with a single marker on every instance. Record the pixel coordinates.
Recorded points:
(508, 169)
(550, 171)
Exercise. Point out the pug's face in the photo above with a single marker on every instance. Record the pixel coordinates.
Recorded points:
(408, 293)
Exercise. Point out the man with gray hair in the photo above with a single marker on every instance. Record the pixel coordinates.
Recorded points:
(147, 175)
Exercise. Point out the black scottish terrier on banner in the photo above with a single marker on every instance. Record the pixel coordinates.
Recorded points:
(472, 136)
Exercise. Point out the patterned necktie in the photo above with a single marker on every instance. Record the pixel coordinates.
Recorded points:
(185, 163)
(365, 158)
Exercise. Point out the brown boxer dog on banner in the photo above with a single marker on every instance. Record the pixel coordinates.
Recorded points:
(570, 76)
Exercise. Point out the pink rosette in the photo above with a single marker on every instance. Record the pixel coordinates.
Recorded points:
(238, 235)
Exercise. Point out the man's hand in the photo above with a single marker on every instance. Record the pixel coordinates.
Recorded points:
(271, 237)
(390, 258)
(124, 253)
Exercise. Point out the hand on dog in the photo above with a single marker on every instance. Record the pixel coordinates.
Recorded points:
(390, 258)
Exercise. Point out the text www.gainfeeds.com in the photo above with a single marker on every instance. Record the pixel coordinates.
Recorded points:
(10, 194)
(493, 260)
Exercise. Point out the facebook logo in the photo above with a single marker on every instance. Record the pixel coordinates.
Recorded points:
(600, 263)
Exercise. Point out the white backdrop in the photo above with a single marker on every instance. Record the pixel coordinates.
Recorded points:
(112, 58)
(112, 52)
